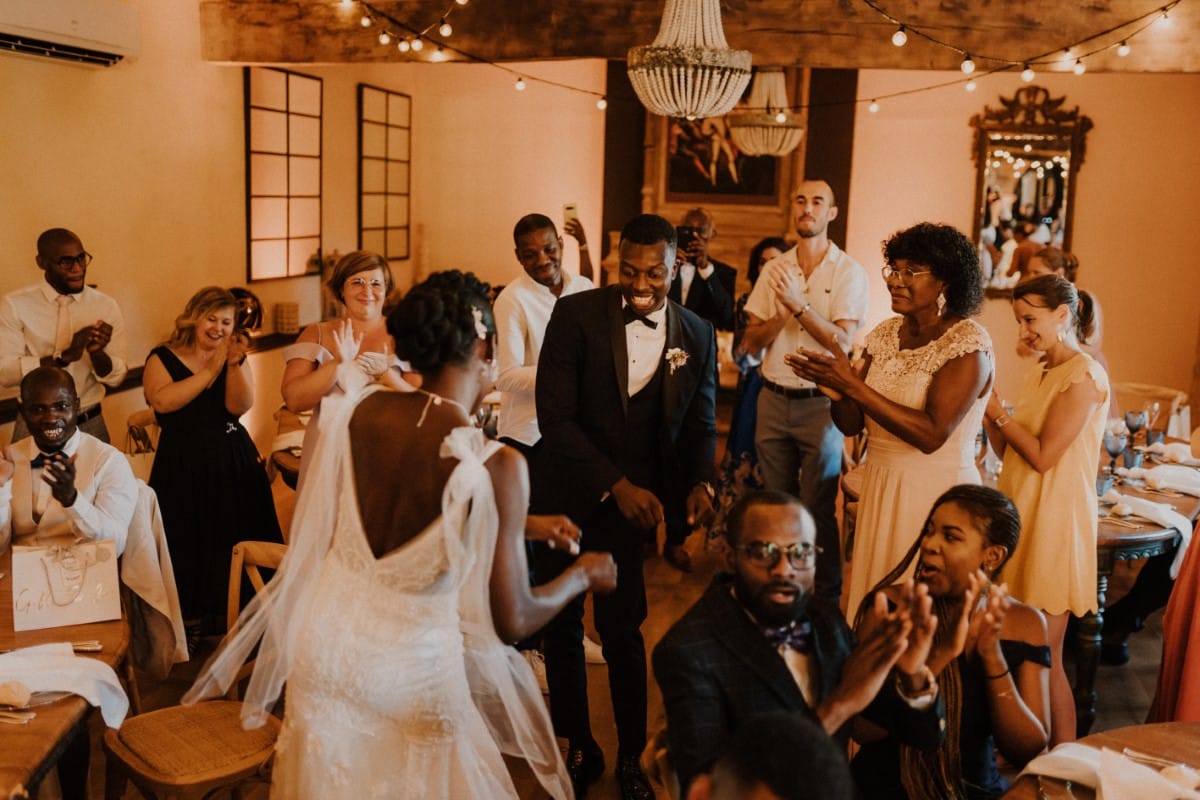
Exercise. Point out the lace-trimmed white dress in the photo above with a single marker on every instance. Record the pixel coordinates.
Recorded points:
(397, 684)
(900, 482)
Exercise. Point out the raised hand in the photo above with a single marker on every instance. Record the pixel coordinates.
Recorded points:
(59, 473)
(574, 228)
(952, 647)
(600, 569)
(914, 600)
(99, 336)
(868, 665)
(788, 288)
(345, 342)
(556, 530)
(79, 342)
(991, 620)
(637, 505)
(239, 343)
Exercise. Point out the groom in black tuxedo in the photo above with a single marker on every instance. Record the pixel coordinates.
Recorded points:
(626, 396)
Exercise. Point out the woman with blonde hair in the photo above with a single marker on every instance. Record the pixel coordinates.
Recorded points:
(210, 480)
(1051, 449)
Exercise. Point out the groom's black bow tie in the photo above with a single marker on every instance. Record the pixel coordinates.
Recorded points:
(39, 460)
(797, 636)
(629, 315)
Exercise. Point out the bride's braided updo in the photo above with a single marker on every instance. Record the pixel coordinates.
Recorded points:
(436, 322)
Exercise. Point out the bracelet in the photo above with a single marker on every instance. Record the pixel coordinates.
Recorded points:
(998, 677)
(1002, 420)
(930, 685)
(802, 312)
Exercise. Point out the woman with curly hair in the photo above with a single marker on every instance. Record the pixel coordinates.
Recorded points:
(920, 393)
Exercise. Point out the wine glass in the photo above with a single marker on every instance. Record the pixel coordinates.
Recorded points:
(1151, 412)
(1135, 421)
(1114, 444)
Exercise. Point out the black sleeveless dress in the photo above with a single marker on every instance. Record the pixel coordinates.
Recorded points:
(213, 490)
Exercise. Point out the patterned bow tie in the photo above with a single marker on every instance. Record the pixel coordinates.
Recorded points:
(629, 315)
(797, 636)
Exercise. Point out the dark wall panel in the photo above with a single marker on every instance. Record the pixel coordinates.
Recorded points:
(830, 136)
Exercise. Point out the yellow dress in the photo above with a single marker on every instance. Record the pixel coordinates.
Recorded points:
(1054, 567)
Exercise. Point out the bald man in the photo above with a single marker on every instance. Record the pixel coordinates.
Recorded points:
(63, 322)
(823, 299)
(61, 484)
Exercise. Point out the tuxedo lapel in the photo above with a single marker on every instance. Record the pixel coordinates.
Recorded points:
(746, 644)
(673, 378)
(620, 351)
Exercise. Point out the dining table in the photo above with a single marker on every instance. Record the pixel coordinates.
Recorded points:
(1119, 540)
(1173, 742)
(29, 751)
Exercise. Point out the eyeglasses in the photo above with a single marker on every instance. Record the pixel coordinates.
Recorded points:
(83, 259)
(905, 275)
(359, 283)
(767, 554)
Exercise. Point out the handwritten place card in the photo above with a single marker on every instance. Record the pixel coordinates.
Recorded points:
(64, 585)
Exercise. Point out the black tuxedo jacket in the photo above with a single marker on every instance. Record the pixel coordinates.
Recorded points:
(582, 398)
(716, 669)
(711, 299)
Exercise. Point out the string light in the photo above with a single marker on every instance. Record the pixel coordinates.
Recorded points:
(1165, 20)
(968, 66)
(403, 45)
(781, 117)
(874, 107)
(602, 103)
(1027, 74)
(384, 38)
(438, 55)
(970, 86)
(366, 21)
(462, 2)
(1080, 67)
(347, 3)
(445, 29)
(520, 85)
(418, 44)
(899, 38)
(1123, 49)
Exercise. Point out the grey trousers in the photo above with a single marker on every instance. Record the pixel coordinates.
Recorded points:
(800, 452)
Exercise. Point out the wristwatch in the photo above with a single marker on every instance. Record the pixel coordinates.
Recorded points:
(802, 311)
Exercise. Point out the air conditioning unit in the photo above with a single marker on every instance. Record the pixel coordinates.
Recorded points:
(89, 32)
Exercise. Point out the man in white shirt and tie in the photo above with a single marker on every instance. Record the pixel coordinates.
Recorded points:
(65, 323)
(61, 484)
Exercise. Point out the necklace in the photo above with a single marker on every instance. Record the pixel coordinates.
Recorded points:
(437, 400)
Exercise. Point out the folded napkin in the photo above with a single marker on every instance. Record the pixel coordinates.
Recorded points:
(56, 668)
(1166, 476)
(1111, 774)
(1161, 513)
(1175, 452)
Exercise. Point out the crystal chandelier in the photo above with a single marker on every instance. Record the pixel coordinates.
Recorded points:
(689, 71)
(767, 127)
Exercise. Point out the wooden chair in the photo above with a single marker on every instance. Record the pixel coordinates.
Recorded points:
(185, 752)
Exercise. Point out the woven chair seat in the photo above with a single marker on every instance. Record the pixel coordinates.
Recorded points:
(180, 743)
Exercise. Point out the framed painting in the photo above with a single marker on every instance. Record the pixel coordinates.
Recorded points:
(705, 166)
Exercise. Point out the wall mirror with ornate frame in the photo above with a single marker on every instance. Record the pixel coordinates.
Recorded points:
(1027, 156)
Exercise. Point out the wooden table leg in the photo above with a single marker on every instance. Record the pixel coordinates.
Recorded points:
(1088, 660)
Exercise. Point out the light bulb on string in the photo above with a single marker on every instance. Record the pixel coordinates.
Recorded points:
(365, 21)
(384, 38)
(970, 86)
(1027, 74)
(781, 117)
(1123, 49)
(438, 55)
(1165, 20)
(347, 3)
(418, 44)
(520, 84)
(1079, 67)
(445, 29)
(900, 37)
(874, 107)
(403, 45)
(602, 103)
(968, 66)
(462, 2)
(1066, 55)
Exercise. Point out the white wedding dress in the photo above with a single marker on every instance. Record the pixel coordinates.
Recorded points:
(397, 685)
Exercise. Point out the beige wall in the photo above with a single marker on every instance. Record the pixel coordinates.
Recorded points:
(145, 161)
(1137, 204)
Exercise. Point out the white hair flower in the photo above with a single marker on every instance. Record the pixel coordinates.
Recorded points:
(480, 329)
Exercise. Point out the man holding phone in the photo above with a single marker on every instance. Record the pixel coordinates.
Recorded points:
(703, 285)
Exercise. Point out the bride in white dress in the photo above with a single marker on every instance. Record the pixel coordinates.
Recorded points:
(387, 617)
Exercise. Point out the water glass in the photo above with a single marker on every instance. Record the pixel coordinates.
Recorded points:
(1133, 458)
(1104, 483)
(1155, 436)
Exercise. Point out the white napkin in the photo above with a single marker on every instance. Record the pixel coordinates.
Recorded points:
(1112, 775)
(56, 668)
(1166, 476)
(1175, 452)
(1161, 513)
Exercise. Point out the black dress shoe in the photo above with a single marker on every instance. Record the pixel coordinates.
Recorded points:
(1114, 654)
(585, 765)
(633, 782)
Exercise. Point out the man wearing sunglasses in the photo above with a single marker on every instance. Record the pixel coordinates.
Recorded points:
(62, 322)
(759, 641)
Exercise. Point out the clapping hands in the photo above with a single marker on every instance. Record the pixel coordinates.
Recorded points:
(345, 342)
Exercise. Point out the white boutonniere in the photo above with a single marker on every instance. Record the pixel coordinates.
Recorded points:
(676, 357)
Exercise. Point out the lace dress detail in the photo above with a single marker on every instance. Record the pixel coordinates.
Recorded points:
(900, 482)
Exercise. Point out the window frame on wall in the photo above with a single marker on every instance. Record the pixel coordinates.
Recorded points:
(385, 172)
(284, 181)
